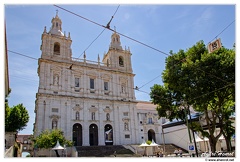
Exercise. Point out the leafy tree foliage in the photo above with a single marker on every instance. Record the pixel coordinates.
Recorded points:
(204, 81)
(16, 118)
(48, 139)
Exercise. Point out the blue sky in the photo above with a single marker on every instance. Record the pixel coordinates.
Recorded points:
(161, 26)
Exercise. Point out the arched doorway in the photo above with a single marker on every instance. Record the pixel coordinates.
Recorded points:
(151, 135)
(93, 135)
(108, 134)
(77, 134)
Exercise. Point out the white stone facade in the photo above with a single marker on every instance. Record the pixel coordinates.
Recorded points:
(92, 102)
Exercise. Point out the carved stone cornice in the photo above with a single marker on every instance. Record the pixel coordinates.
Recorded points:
(78, 73)
(122, 79)
(77, 108)
(92, 74)
(55, 117)
(125, 119)
(92, 109)
(107, 110)
(106, 77)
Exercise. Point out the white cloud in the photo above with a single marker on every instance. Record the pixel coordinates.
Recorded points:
(126, 16)
(203, 19)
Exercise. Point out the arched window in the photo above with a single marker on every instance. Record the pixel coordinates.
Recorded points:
(121, 63)
(56, 48)
(77, 115)
(54, 124)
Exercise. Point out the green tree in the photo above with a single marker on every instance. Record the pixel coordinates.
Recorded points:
(205, 81)
(16, 118)
(48, 139)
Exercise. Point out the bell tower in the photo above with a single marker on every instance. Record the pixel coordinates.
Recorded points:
(116, 57)
(55, 44)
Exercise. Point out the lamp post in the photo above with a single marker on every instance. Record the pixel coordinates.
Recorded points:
(195, 145)
(190, 119)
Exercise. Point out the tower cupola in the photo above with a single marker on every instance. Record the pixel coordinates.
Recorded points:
(115, 42)
(56, 28)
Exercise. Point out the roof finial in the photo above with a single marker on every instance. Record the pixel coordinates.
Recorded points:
(115, 29)
(56, 12)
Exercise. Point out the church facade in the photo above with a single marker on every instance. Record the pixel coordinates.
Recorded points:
(93, 103)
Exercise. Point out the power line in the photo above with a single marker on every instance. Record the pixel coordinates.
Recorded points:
(92, 42)
(80, 16)
(133, 40)
(100, 33)
(128, 36)
(149, 81)
(212, 91)
(136, 88)
(222, 31)
(22, 55)
(199, 68)
(113, 31)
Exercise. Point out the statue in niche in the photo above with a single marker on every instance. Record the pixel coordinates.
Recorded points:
(56, 79)
(54, 124)
(126, 126)
(108, 116)
(93, 115)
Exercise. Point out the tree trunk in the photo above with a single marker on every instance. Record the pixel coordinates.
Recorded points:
(56, 151)
(213, 143)
(228, 143)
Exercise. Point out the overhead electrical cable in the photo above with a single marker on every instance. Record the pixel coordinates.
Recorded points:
(112, 30)
(100, 33)
(108, 25)
(128, 36)
(22, 55)
(92, 42)
(150, 81)
(199, 68)
(222, 31)
(135, 88)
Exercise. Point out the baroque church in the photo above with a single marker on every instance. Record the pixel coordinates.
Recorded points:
(92, 102)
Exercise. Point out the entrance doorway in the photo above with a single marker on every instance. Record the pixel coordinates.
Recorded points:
(93, 135)
(77, 134)
(108, 134)
(151, 135)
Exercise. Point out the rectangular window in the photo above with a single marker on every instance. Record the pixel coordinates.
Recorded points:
(150, 121)
(106, 86)
(76, 82)
(55, 110)
(127, 135)
(91, 83)
(125, 114)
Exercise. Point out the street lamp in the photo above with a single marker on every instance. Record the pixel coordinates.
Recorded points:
(186, 108)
